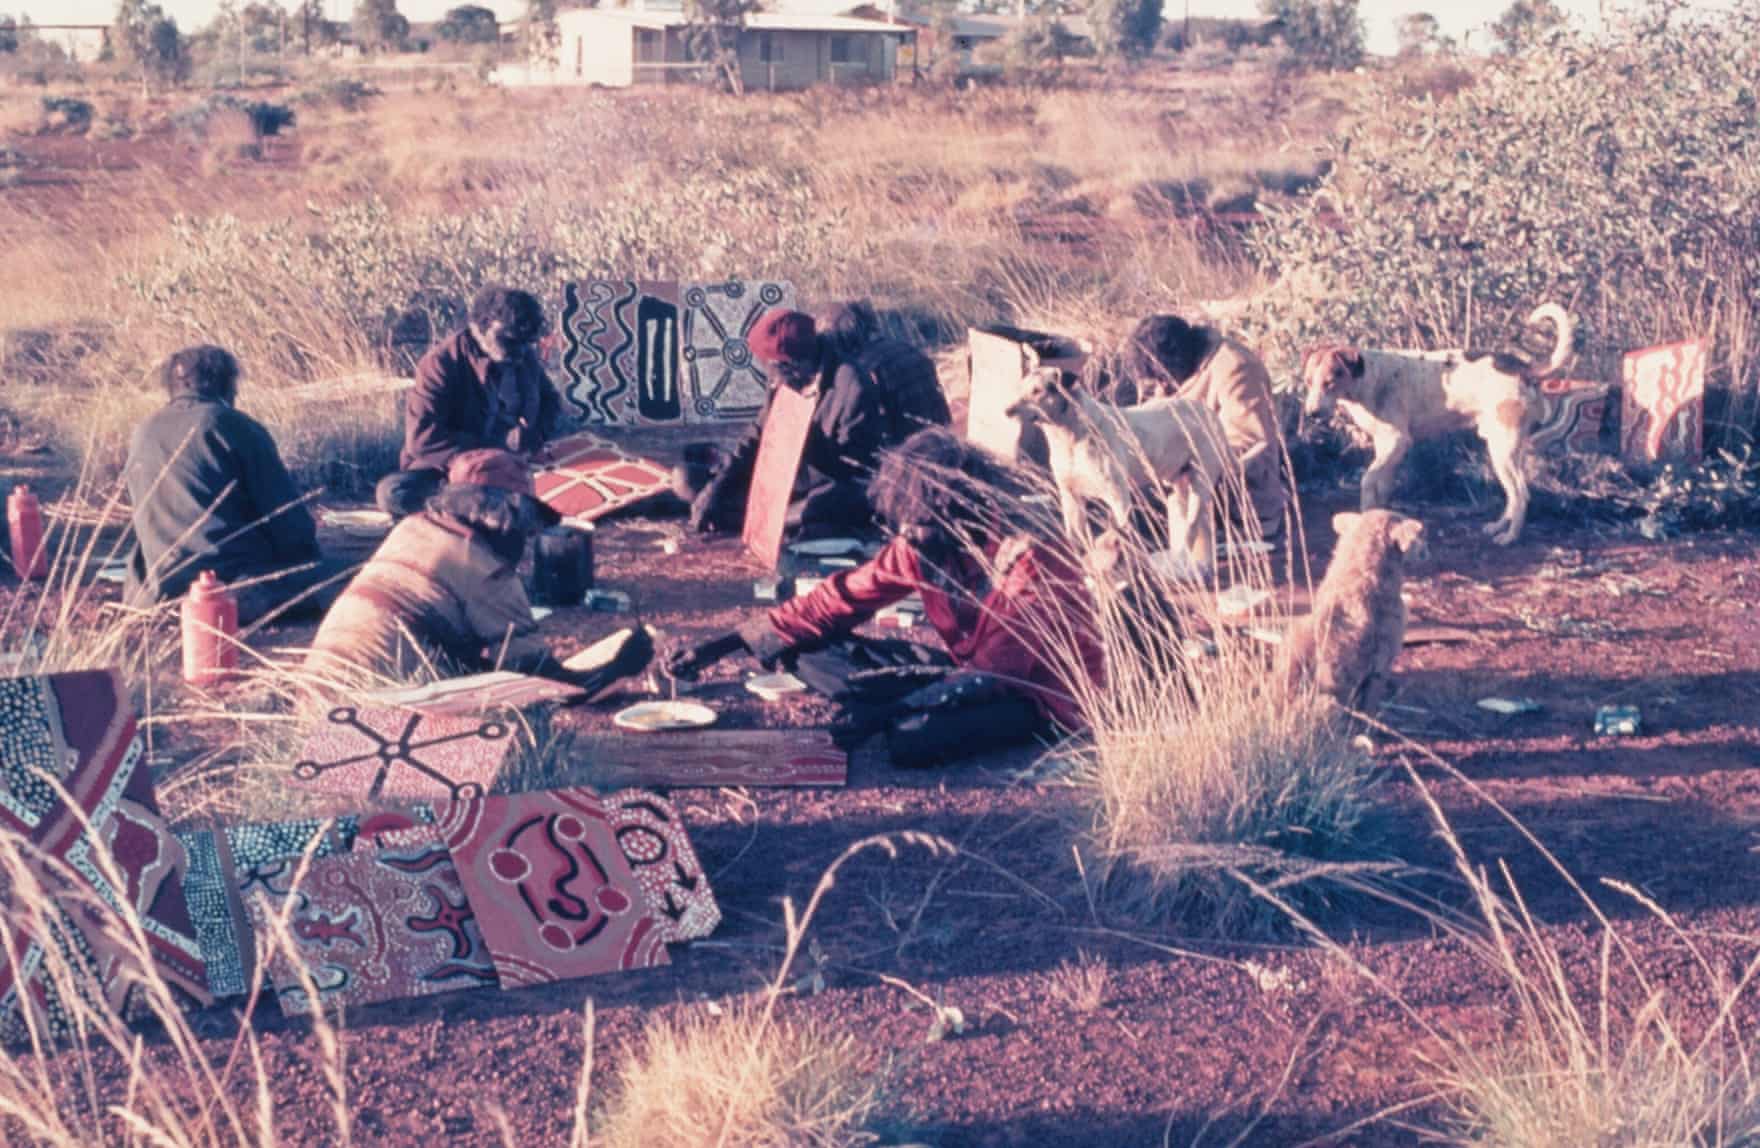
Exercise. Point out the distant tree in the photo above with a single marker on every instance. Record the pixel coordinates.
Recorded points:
(1124, 28)
(8, 34)
(1320, 33)
(1420, 34)
(309, 23)
(712, 32)
(469, 24)
(262, 25)
(145, 38)
(538, 32)
(1526, 23)
(379, 26)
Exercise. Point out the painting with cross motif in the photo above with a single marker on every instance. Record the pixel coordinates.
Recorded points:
(1662, 408)
(368, 752)
(722, 379)
(555, 896)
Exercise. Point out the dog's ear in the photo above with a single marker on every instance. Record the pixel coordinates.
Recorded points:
(1408, 535)
(1343, 521)
(1348, 359)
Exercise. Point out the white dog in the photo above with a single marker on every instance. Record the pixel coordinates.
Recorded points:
(1398, 397)
(1109, 453)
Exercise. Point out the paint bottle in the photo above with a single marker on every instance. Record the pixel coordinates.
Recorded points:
(24, 523)
(210, 631)
(562, 565)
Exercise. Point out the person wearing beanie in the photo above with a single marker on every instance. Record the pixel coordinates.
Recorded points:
(482, 387)
(854, 420)
(444, 590)
(210, 492)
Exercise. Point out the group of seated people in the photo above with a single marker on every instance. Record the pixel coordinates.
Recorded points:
(210, 492)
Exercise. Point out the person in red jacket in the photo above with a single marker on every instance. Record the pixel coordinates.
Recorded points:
(1008, 602)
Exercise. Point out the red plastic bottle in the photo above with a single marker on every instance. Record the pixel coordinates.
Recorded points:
(210, 631)
(24, 523)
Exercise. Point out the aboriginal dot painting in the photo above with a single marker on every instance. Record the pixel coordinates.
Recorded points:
(372, 752)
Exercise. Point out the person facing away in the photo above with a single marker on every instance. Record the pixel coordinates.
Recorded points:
(1165, 355)
(480, 388)
(210, 492)
(853, 421)
(904, 374)
(444, 589)
(1006, 599)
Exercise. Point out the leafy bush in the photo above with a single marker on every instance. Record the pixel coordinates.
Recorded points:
(344, 94)
(269, 119)
(1446, 222)
(64, 115)
(1320, 33)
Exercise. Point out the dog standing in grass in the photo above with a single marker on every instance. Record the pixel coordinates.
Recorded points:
(1108, 454)
(1358, 624)
(1398, 397)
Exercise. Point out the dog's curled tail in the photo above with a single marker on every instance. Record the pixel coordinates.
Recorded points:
(1565, 329)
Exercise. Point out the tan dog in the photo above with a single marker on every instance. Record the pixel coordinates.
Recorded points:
(1105, 453)
(1358, 625)
(1398, 397)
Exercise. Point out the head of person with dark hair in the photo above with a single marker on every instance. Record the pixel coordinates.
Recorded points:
(936, 489)
(1164, 349)
(206, 372)
(490, 493)
(789, 346)
(849, 326)
(505, 322)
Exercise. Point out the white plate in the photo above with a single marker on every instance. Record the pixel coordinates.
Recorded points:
(653, 717)
(773, 686)
(827, 547)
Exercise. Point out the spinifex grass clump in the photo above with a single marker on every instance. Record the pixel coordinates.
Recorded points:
(1203, 760)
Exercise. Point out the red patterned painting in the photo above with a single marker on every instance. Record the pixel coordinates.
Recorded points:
(1570, 416)
(380, 923)
(773, 474)
(105, 852)
(758, 757)
(654, 841)
(372, 752)
(1662, 408)
(555, 897)
(477, 694)
(587, 477)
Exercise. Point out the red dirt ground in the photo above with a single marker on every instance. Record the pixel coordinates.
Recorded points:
(1183, 1034)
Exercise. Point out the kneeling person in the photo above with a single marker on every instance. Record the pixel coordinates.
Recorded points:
(210, 493)
(444, 587)
(1010, 608)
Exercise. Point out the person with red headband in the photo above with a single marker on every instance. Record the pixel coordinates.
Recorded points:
(444, 590)
(854, 420)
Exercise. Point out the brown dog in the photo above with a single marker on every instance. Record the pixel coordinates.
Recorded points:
(1398, 397)
(1358, 625)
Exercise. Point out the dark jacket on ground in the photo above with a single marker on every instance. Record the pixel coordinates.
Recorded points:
(463, 401)
(856, 418)
(210, 493)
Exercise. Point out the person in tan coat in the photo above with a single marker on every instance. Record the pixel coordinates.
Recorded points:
(444, 589)
(1165, 355)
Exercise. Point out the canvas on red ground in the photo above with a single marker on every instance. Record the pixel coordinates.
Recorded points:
(758, 757)
(586, 477)
(773, 474)
(1570, 415)
(74, 784)
(1662, 407)
(555, 896)
(653, 839)
(368, 752)
(383, 922)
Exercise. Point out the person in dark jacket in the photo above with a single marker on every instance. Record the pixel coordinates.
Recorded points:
(210, 492)
(907, 377)
(853, 422)
(1006, 598)
(483, 387)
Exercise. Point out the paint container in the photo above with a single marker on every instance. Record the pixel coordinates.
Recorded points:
(210, 631)
(24, 522)
(1619, 721)
(562, 566)
(608, 601)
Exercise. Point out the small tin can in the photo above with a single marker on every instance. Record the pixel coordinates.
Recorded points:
(608, 601)
(1618, 721)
